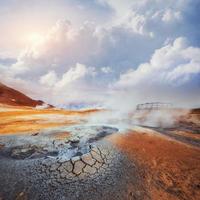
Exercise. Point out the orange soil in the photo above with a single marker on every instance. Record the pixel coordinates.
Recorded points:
(28, 126)
(25, 119)
(170, 169)
(61, 135)
(30, 111)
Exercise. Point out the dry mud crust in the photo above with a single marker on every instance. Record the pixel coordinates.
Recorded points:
(27, 146)
(103, 173)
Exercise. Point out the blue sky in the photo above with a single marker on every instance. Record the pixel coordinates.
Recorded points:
(98, 51)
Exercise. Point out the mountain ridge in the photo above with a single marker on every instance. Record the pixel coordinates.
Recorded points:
(13, 97)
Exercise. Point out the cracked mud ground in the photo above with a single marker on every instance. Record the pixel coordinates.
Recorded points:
(141, 164)
(95, 170)
(100, 174)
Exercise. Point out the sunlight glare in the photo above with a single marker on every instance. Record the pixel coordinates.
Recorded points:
(35, 38)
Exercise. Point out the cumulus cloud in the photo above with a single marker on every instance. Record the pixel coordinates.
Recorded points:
(72, 86)
(170, 16)
(123, 43)
(106, 70)
(172, 74)
(169, 64)
(73, 75)
(49, 79)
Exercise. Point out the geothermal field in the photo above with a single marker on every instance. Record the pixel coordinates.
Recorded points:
(99, 100)
(49, 153)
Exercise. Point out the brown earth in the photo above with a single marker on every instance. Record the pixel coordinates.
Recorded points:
(13, 97)
(170, 169)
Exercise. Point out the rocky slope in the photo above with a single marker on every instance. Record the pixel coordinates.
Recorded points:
(10, 96)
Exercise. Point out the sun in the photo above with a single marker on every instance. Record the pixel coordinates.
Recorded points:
(35, 38)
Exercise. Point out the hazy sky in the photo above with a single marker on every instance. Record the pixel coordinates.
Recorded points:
(102, 51)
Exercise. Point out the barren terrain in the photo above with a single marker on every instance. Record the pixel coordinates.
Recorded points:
(59, 154)
(169, 169)
(10, 96)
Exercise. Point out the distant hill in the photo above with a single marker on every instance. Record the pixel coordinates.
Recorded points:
(10, 96)
(195, 111)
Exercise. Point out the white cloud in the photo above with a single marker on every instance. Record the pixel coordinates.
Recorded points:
(74, 74)
(119, 6)
(170, 15)
(137, 23)
(49, 79)
(171, 74)
(129, 41)
(175, 59)
(72, 86)
(62, 47)
(156, 22)
(106, 70)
